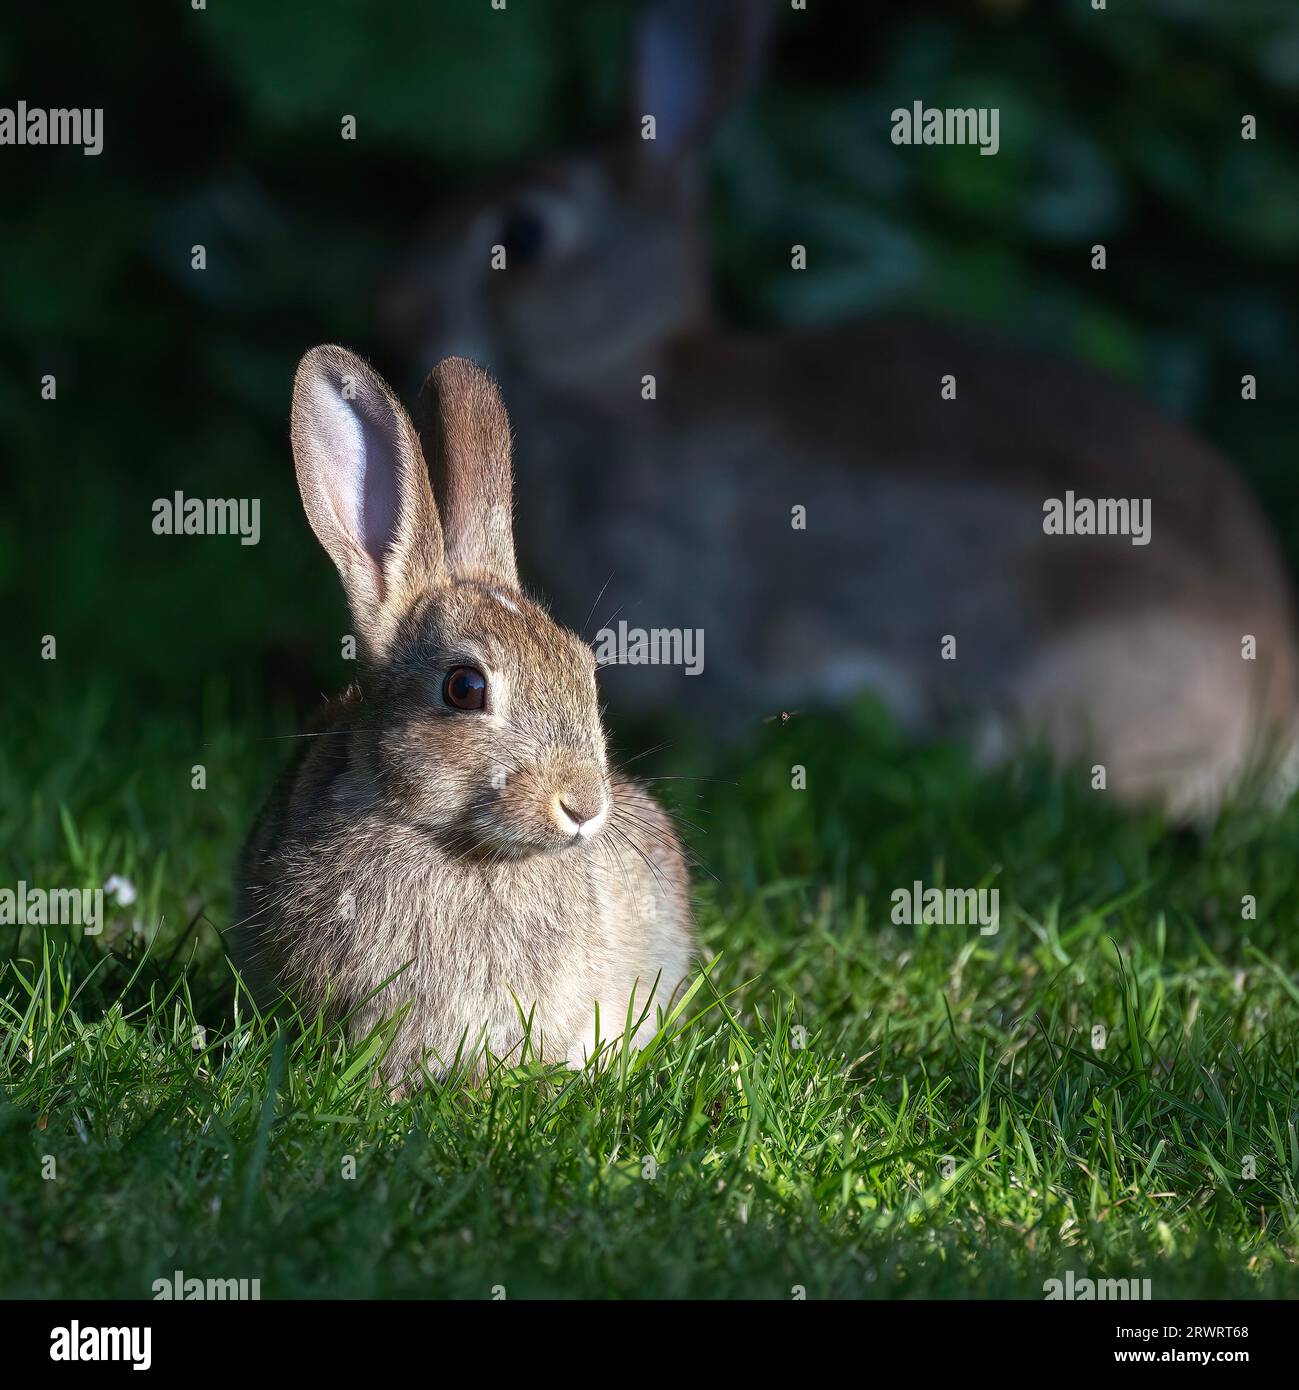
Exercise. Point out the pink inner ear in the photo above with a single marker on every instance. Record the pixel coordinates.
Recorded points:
(361, 478)
(380, 499)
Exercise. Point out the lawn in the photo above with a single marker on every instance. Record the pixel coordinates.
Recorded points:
(849, 1107)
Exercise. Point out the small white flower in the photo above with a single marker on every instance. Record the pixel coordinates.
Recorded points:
(122, 888)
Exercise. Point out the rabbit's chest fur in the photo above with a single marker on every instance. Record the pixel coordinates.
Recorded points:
(359, 906)
(362, 915)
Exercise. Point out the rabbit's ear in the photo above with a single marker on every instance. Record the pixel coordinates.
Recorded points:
(694, 61)
(466, 435)
(365, 488)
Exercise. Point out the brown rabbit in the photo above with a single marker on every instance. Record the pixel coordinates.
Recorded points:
(454, 828)
(1172, 662)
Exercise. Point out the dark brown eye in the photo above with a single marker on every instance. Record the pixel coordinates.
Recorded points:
(465, 688)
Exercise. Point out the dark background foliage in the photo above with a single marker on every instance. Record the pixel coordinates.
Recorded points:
(222, 128)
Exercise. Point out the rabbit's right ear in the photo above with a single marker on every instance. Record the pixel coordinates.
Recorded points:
(366, 491)
(466, 435)
(695, 59)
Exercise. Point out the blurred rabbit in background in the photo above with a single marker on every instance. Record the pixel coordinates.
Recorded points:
(923, 515)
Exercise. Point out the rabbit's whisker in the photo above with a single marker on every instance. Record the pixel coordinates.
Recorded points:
(666, 840)
(658, 748)
(679, 777)
(649, 863)
(607, 849)
(324, 733)
(598, 597)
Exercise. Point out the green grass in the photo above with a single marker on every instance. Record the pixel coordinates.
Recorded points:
(860, 1109)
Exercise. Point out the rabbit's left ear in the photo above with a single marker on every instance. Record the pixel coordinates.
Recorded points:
(466, 437)
(365, 490)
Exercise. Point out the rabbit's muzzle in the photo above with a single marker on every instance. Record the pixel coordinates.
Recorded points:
(546, 809)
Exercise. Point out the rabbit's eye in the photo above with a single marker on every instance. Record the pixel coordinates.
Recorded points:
(524, 235)
(465, 688)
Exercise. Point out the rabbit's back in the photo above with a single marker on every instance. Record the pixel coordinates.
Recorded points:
(831, 523)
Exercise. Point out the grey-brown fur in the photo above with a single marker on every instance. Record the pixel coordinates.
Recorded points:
(413, 840)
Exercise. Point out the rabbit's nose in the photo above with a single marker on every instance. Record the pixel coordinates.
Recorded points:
(580, 810)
